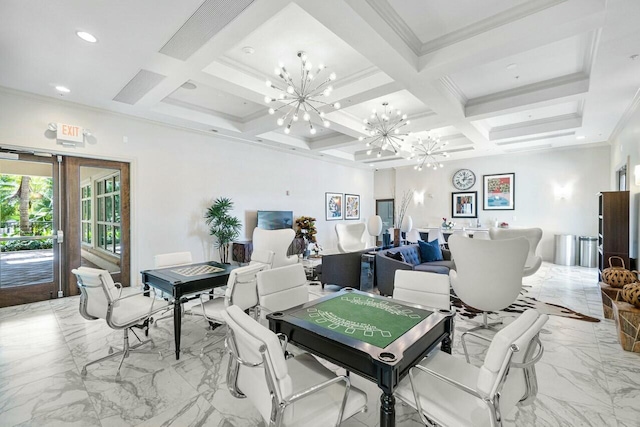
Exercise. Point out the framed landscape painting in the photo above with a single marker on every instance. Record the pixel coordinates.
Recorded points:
(352, 206)
(333, 206)
(464, 204)
(499, 192)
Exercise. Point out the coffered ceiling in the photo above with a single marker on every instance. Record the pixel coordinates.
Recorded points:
(490, 77)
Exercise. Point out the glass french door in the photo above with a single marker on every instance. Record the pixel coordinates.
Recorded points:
(385, 208)
(29, 224)
(56, 214)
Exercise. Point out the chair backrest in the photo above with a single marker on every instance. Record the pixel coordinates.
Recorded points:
(514, 344)
(172, 259)
(276, 241)
(242, 288)
(423, 288)
(436, 233)
(254, 344)
(488, 274)
(482, 235)
(350, 237)
(282, 288)
(97, 290)
(533, 236)
(413, 236)
(262, 256)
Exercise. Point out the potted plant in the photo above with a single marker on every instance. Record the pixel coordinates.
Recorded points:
(222, 225)
(307, 231)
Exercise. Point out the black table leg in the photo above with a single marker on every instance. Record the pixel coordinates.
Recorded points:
(446, 344)
(177, 324)
(387, 410)
(146, 290)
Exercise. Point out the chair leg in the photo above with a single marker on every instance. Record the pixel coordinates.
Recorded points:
(485, 323)
(126, 350)
(213, 327)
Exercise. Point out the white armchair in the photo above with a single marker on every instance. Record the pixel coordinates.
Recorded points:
(101, 298)
(282, 288)
(488, 274)
(446, 390)
(350, 237)
(533, 235)
(296, 391)
(276, 241)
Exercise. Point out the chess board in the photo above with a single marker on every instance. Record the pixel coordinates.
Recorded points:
(197, 270)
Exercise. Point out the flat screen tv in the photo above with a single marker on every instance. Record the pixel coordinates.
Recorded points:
(275, 220)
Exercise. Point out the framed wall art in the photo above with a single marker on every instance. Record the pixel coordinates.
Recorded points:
(499, 192)
(351, 206)
(333, 206)
(464, 204)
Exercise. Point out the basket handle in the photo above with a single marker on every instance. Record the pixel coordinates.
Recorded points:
(616, 257)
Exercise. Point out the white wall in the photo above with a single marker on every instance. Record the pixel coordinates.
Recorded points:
(625, 150)
(537, 174)
(176, 174)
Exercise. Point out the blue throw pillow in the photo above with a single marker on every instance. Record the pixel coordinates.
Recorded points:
(430, 251)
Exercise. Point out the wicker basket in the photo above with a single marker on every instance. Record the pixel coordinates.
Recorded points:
(631, 293)
(617, 276)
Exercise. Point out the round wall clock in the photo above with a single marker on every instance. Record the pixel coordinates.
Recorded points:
(464, 179)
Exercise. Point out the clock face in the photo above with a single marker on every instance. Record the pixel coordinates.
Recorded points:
(464, 179)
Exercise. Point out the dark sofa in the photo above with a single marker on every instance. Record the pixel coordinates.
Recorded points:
(342, 269)
(386, 266)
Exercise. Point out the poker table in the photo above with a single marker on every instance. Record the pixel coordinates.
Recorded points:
(181, 281)
(376, 337)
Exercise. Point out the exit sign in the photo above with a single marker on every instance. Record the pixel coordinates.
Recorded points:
(69, 133)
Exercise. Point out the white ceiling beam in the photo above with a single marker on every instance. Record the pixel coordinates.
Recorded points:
(533, 127)
(332, 142)
(555, 91)
(566, 19)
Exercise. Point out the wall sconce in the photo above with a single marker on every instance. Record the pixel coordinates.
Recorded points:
(418, 197)
(563, 192)
(636, 174)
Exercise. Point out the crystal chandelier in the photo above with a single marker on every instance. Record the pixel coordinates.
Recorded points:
(384, 130)
(428, 152)
(303, 99)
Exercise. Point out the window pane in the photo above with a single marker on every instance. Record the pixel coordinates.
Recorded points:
(101, 237)
(101, 209)
(116, 207)
(100, 189)
(88, 191)
(108, 207)
(109, 185)
(89, 233)
(116, 239)
(84, 232)
(116, 182)
(89, 204)
(109, 238)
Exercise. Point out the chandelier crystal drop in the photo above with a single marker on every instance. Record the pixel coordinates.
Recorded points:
(384, 130)
(302, 100)
(428, 152)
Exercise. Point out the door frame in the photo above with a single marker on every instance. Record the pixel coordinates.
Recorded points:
(42, 291)
(72, 226)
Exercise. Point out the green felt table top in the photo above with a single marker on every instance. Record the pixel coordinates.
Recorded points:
(375, 321)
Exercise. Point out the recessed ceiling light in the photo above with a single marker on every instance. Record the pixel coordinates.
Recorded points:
(188, 86)
(214, 130)
(86, 36)
(63, 89)
(512, 66)
(580, 137)
(634, 57)
(248, 50)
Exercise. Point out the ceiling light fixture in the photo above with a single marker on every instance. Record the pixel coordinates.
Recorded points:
(88, 37)
(580, 137)
(384, 130)
(188, 86)
(248, 50)
(428, 152)
(63, 89)
(300, 99)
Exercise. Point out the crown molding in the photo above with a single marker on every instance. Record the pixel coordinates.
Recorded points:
(624, 120)
(397, 24)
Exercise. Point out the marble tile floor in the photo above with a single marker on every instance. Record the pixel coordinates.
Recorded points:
(585, 378)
